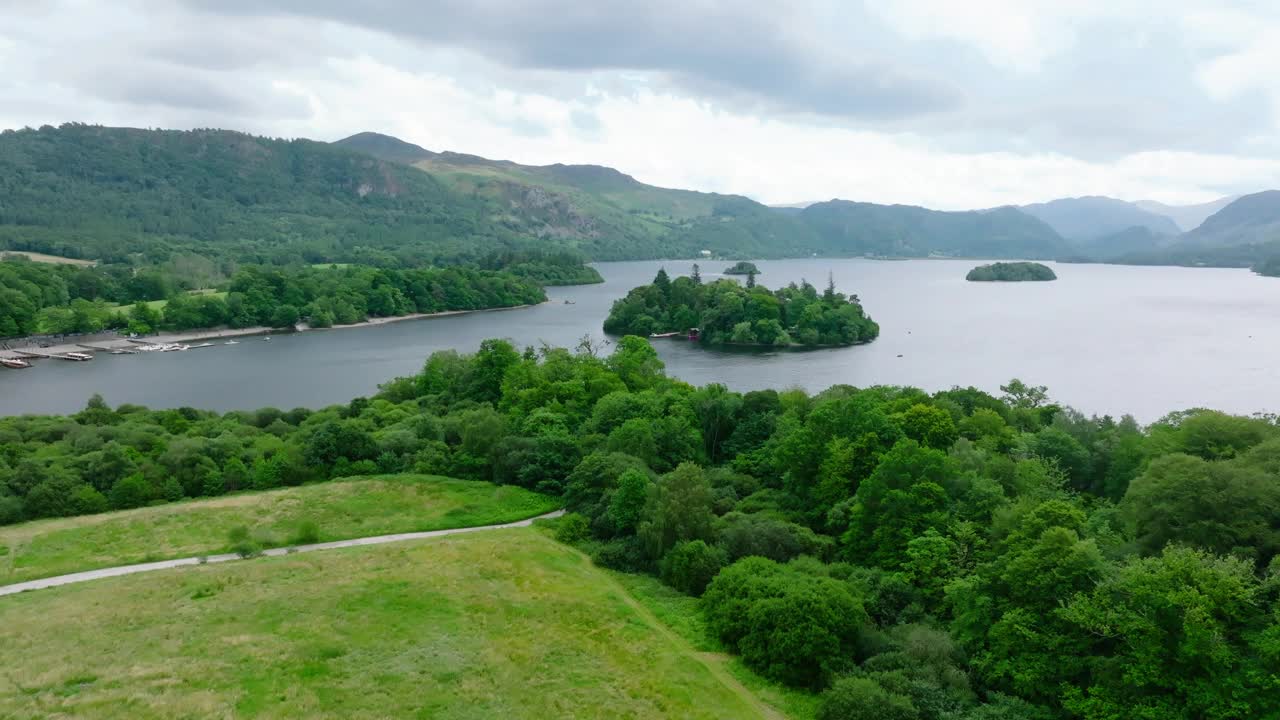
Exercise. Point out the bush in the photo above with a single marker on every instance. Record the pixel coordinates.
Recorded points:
(572, 528)
(242, 543)
(690, 566)
(863, 699)
(307, 533)
(624, 554)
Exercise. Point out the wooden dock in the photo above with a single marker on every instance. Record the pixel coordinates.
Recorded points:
(68, 356)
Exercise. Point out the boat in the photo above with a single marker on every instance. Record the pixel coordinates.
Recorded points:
(77, 356)
(570, 302)
(266, 339)
(231, 342)
(201, 345)
(174, 347)
(14, 363)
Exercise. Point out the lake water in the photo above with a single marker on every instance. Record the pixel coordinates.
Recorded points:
(1104, 339)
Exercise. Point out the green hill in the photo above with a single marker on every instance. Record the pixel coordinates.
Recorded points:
(497, 624)
(1089, 218)
(1244, 233)
(143, 196)
(853, 228)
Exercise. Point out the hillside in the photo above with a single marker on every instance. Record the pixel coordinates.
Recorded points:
(611, 215)
(1245, 233)
(853, 228)
(498, 624)
(145, 196)
(327, 511)
(1089, 218)
(1187, 217)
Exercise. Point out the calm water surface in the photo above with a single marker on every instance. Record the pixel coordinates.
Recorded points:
(1104, 339)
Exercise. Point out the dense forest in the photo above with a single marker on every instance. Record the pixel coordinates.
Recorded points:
(1011, 272)
(38, 298)
(725, 312)
(944, 556)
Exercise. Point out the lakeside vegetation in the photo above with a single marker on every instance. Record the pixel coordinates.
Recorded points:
(1011, 272)
(50, 299)
(742, 267)
(945, 555)
(359, 507)
(499, 624)
(727, 313)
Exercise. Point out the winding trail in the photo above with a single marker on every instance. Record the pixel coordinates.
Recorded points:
(88, 575)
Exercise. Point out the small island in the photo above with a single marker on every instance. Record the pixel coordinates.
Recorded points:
(1011, 272)
(742, 268)
(725, 312)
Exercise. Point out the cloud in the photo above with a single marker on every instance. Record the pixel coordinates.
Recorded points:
(750, 55)
(919, 101)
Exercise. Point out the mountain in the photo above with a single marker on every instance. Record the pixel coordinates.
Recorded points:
(1089, 218)
(1131, 241)
(120, 194)
(1187, 217)
(1247, 220)
(146, 196)
(614, 216)
(854, 228)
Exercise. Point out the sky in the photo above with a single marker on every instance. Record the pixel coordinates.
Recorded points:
(938, 103)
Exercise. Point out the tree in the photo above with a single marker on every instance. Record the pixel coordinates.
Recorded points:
(751, 278)
(1217, 506)
(284, 316)
(860, 698)
(696, 274)
(489, 366)
(1175, 636)
(902, 499)
(628, 501)
(690, 566)
(662, 282)
(678, 508)
(130, 492)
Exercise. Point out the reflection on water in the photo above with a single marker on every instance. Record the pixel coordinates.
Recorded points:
(1105, 339)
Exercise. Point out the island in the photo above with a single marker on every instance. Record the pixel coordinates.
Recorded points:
(742, 267)
(725, 312)
(1011, 272)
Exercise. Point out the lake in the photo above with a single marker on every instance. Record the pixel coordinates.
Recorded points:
(1104, 339)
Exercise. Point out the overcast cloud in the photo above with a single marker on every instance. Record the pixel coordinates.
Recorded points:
(931, 102)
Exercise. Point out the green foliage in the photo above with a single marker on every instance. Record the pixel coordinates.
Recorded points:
(788, 624)
(858, 698)
(678, 508)
(691, 565)
(725, 312)
(242, 543)
(1011, 272)
(571, 528)
(742, 267)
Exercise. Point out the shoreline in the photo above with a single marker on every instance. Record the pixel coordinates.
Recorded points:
(122, 342)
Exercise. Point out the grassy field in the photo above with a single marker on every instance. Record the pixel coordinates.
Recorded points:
(159, 304)
(500, 624)
(681, 614)
(338, 510)
(41, 257)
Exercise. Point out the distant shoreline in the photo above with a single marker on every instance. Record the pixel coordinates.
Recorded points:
(177, 338)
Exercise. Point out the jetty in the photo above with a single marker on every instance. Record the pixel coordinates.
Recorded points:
(76, 356)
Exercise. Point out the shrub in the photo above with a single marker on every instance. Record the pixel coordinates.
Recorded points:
(690, 566)
(242, 543)
(307, 533)
(863, 699)
(572, 528)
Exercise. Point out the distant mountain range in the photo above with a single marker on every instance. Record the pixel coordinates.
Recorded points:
(1188, 217)
(117, 193)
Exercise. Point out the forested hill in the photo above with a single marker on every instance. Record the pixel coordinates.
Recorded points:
(106, 193)
(117, 194)
(611, 215)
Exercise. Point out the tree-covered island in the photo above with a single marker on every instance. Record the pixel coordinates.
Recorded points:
(1011, 272)
(742, 267)
(727, 313)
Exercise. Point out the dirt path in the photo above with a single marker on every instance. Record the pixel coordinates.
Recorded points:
(118, 570)
(713, 662)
